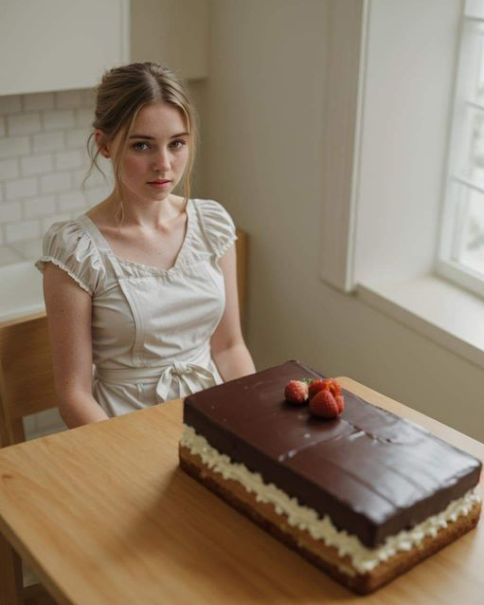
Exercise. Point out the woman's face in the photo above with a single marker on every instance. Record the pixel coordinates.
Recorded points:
(156, 154)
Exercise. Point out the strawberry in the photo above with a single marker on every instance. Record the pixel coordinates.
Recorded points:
(341, 402)
(332, 385)
(296, 391)
(315, 387)
(324, 404)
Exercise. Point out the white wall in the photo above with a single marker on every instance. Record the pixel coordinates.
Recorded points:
(263, 112)
(410, 69)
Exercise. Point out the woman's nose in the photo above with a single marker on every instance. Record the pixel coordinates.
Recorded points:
(162, 161)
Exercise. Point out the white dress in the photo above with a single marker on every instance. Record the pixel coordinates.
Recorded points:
(151, 327)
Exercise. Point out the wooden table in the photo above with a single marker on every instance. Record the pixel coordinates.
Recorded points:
(104, 515)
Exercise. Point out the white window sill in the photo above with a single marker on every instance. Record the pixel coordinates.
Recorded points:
(436, 309)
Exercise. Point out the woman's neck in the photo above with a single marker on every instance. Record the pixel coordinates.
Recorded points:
(146, 214)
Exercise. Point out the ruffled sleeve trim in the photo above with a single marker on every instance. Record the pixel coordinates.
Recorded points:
(218, 226)
(40, 265)
(68, 246)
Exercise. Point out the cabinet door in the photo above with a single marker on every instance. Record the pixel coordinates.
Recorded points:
(59, 44)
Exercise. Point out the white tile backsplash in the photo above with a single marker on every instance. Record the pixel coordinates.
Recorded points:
(24, 124)
(38, 101)
(72, 201)
(55, 182)
(68, 99)
(49, 141)
(21, 231)
(28, 250)
(77, 138)
(10, 104)
(40, 164)
(43, 161)
(10, 212)
(14, 146)
(8, 256)
(39, 206)
(84, 117)
(8, 170)
(73, 158)
(55, 218)
(21, 188)
(59, 119)
(94, 195)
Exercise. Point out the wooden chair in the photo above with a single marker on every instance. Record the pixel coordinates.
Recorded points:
(27, 387)
(26, 378)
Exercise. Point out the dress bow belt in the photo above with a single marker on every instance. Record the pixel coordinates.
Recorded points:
(180, 377)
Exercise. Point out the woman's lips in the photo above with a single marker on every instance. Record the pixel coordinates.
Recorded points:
(159, 184)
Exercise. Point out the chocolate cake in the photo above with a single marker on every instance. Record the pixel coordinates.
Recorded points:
(364, 496)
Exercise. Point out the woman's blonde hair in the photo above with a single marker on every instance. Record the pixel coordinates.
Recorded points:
(121, 95)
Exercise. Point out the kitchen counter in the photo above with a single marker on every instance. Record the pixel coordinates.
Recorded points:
(21, 291)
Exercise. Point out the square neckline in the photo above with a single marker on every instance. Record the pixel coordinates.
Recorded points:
(103, 244)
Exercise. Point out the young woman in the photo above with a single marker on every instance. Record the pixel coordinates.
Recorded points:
(143, 285)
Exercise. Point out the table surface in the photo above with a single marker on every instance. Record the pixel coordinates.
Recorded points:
(104, 515)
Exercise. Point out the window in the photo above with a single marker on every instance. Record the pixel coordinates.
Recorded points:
(461, 253)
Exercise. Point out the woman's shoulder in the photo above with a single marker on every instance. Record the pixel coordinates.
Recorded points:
(217, 224)
(66, 231)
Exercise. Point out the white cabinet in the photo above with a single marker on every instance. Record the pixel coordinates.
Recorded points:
(50, 45)
(59, 44)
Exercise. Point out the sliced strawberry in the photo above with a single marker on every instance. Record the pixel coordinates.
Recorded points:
(296, 391)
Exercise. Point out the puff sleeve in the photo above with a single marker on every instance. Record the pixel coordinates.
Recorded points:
(218, 226)
(70, 248)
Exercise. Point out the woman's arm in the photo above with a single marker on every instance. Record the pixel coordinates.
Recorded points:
(69, 311)
(229, 350)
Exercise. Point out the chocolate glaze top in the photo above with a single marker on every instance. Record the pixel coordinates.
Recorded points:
(372, 472)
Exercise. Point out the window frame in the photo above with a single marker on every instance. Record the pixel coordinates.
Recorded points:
(455, 183)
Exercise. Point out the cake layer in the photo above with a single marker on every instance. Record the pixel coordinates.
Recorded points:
(373, 473)
(360, 569)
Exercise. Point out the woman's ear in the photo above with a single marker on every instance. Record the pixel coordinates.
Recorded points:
(101, 143)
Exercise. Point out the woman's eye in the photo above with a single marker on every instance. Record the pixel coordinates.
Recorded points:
(178, 144)
(140, 146)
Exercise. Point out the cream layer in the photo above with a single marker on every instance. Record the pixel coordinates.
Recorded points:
(363, 558)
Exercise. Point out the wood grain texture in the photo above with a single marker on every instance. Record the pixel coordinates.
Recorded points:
(26, 375)
(103, 514)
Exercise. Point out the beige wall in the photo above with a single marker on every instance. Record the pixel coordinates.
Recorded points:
(262, 111)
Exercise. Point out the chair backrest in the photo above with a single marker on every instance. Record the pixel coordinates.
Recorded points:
(26, 375)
